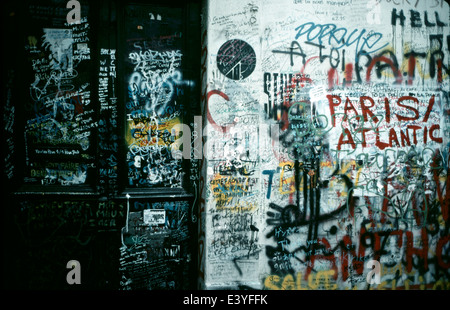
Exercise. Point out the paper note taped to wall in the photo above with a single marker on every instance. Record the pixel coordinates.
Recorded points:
(317, 93)
(154, 217)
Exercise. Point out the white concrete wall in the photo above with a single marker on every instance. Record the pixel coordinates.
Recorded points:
(327, 130)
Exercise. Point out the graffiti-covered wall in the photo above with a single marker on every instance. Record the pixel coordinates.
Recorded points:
(95, 96)
(326, 130)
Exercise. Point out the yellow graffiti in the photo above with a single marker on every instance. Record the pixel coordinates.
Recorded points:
(322, 280)
(225, 189)
(239, 206)
(32, 41)
(290, 181)
(147, 132)
(287, 183)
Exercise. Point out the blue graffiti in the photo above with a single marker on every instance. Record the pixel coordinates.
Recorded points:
(339, 37)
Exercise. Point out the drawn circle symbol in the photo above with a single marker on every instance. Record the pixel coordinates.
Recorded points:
(236, 59)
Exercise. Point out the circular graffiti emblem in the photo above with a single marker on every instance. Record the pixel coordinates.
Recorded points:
(236, 59)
